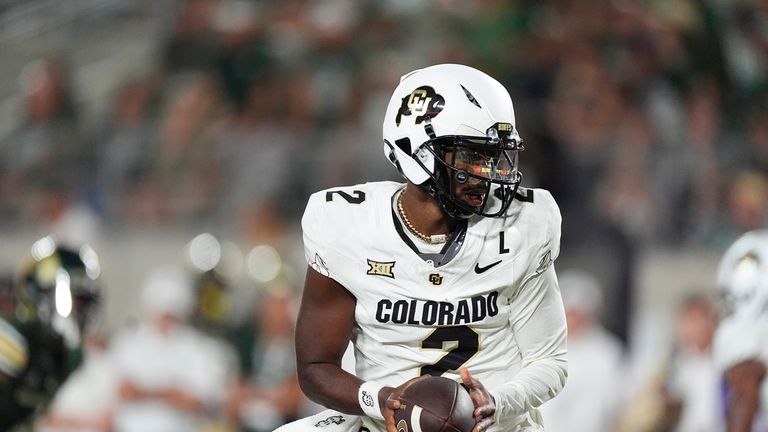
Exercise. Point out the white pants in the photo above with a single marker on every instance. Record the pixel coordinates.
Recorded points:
(325, 421)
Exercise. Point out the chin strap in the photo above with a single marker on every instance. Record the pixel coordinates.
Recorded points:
(440, 194)
(446, 202)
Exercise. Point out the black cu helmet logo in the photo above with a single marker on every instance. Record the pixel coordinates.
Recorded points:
(423, 103)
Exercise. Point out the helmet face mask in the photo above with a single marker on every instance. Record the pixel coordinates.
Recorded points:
(450, 130)
(475, 175)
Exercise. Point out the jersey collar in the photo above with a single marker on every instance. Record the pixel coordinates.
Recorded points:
(449, 250)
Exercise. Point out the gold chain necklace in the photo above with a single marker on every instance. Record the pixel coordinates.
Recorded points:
(431, 239)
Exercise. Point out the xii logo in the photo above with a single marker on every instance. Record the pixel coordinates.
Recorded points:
(376, 268)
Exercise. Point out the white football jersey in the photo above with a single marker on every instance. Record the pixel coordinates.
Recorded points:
(494, 307)
(742, 333)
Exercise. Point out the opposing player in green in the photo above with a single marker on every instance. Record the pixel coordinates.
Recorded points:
(46, 311)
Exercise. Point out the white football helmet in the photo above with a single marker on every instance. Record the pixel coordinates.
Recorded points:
(451, 129)
(743, 275)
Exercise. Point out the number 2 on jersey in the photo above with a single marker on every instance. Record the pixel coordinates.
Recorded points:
(466, 343)
(357, 198)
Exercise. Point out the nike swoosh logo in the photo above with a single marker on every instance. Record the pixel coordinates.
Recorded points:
(479, 269)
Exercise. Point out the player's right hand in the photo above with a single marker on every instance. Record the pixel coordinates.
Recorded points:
(485, 406)
(392, 402)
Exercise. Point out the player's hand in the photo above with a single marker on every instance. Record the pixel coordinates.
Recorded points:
(485, 406)
(392, 402)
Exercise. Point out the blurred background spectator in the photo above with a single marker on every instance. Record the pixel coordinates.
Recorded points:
(86, 400)
(269, 394)
(135, 125)
(683, 393)
(168, 376)
(596, 390)
(694, 385)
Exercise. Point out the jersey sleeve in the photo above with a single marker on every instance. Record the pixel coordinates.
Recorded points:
(540, 331)
(321, 234)
(555, 221)
(538, 322)
(543, 225)
(549, 243)
(736, 340)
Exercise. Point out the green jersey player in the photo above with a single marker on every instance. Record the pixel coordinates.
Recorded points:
(52, 302)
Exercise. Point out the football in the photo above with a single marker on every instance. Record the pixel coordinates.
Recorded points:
(435, 404)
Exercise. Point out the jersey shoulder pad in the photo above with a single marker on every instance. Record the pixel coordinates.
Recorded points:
(538, 203)
(335, 220)
(737, 340)
(539, 215)
(332, 212)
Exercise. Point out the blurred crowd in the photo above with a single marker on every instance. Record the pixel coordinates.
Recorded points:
(648, 120)
(648, 115)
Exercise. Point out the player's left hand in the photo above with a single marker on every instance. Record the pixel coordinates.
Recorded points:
(485, 406)
(393, 403)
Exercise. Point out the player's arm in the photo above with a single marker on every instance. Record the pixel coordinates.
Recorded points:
(744, 380)
(540, 331)
(327, 317)
(323, 330)
(538, 325)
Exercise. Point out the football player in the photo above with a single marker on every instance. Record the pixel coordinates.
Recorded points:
(741, 340)
(448, 273)
(55, 298)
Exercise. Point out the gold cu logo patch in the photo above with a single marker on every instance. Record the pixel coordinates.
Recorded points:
(419, 101)
(435, 278)
(422, 103)
(376, 268)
